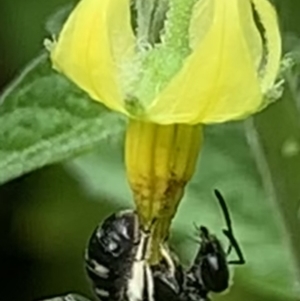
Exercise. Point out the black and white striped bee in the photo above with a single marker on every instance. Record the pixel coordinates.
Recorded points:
(116, 262)
(116, 259)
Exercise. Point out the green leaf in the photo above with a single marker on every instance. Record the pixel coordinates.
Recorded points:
(45, 119)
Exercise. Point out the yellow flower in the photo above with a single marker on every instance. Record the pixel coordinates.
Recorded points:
(170, 66)
(231, 58)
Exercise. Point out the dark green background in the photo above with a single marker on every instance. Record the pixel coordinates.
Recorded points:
(47, 216)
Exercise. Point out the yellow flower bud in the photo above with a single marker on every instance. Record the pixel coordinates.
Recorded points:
(160, 160)
(231, 60)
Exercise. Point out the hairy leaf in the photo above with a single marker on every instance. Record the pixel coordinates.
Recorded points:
(45, 119)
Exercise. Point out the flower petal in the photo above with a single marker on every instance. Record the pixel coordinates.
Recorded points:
(251, 34)
(268, 18)
(93, 42)
(201, 21)
(218, 82)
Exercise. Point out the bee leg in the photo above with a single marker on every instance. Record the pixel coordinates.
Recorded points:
(165, 252)
(234, 245)
(149, 283)
(170, 275)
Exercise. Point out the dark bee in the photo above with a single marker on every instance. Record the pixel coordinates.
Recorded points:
(209, 271)
(116, 259)
(116, 262)
(118, 249)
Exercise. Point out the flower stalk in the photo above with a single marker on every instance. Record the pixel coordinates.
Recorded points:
(160, 160)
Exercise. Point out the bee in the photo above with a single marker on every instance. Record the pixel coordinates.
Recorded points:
(210, 269)
(117, 260)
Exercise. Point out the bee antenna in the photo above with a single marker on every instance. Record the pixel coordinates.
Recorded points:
(229, 232)
(197, 228)
(224, 210)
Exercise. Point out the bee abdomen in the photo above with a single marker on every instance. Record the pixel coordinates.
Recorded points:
(101, 278)
(110, 254)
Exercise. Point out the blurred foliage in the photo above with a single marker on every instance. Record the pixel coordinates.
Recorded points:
(47, 216)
